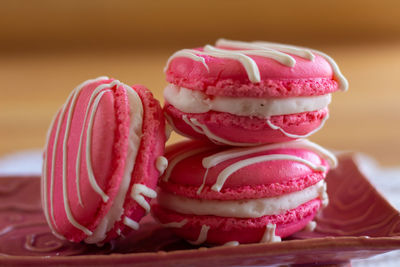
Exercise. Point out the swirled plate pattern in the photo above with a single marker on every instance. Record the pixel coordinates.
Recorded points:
(358, 223)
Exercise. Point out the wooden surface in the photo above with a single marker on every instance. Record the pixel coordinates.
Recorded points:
(365, 119)
(49, 24)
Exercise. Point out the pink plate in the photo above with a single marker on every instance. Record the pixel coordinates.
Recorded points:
(358, 223)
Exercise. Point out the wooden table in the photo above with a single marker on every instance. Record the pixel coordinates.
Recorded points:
(365, 119)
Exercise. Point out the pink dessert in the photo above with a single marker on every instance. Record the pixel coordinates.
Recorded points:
(223, 195)
(239, 94)
(102, 161)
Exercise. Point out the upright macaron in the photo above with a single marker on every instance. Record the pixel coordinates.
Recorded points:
(219, 195)
(238, 93)
(102, 161)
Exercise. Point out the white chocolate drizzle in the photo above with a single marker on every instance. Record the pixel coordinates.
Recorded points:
(310, 227)
(231, 244)
(296, 50)
(189, 54)
(172, 125)
(203, 183)
(161, 164)
(179, 158)
(51, 222)
(202, 236)
(223, 176)
(92, 178)
(269, 234)
(218, 158)
(139, 191)
(88, 135)
(323, 195)
(131, 223)
(175, 224)
(278, 52)
(203, 129)
(274, 127)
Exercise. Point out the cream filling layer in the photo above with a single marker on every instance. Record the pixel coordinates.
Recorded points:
(135, 132)
(194, 101)
(251, 208)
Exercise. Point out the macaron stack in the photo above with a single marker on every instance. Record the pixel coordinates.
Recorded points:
(248, 175)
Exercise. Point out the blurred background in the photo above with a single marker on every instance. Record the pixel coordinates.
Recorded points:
(48, 47)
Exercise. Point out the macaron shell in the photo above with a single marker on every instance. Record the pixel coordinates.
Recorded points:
(80, 189)
(151, 147)
(223, 230)
(108, 144)
(227, 77)
(243, 129)
(258, 180)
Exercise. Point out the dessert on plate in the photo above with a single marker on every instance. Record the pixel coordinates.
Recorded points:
(102, 161)
(220, 195)
(240, 94)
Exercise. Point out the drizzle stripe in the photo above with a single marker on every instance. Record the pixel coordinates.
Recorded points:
(55, 143)
(274, 127)
(304, 53)
(217, 158)
(269, 234)
(202, 236)
(139, 191)
(216, 139)
(175, 224)
(78, 156)
(44, 183)
(92, 178)
(179, 158)
(223, 176)
(131, 223)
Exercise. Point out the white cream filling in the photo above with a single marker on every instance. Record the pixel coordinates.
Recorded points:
(195, 101)
(135, 132)
(250, 208)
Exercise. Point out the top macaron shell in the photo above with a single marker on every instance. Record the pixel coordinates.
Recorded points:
(86, 155)
(186, 172)
(227, 77)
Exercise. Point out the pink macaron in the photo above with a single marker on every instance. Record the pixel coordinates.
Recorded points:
(238, 93)
(102, 161)
(223, 195)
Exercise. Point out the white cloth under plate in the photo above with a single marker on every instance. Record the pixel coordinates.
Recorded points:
(386, 180)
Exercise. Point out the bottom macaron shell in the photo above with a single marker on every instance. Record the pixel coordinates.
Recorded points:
(222, 230)
(231, 129)
(145, 172)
